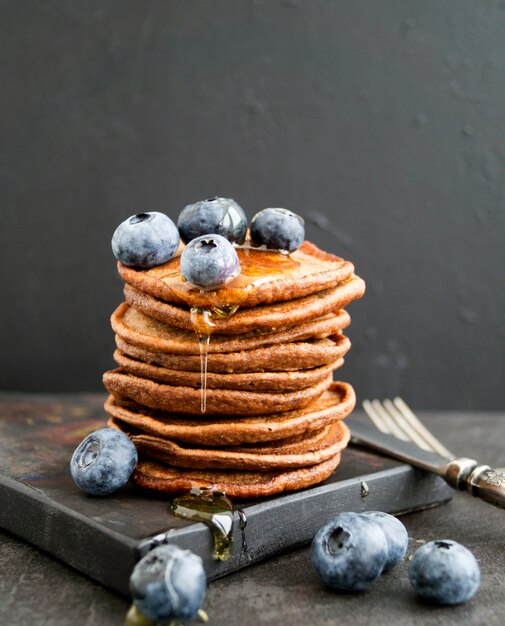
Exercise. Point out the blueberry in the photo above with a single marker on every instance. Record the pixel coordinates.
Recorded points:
(209, 261)
(221, 216)
(279, 229)
(103, 461)
(444, 572)
(349, 552)
(145, 240)
(168, 584)
(396, 536)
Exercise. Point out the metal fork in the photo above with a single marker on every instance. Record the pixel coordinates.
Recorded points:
(394, 417)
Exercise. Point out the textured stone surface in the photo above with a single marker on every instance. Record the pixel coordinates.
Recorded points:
(37, 590)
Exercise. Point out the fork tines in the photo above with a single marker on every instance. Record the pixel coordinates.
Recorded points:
(396, 418)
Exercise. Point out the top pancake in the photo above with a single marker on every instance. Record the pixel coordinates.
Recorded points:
(266, 277)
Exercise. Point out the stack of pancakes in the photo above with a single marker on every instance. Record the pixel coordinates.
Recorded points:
(233, 388)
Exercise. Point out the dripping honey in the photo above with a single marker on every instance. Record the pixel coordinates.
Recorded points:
(211, 507)
(214, 509)
(257, 266)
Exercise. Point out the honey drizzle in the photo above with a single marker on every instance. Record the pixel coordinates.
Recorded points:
(242, 517)
(203, 342)
(215, 510)
(257, 267)
(203, 325)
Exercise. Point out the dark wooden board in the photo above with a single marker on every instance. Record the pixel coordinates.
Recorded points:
(101, 536)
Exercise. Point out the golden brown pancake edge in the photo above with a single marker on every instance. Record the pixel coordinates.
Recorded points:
(324, 270)
(334, 404)
(219, 402)
(249, 381)
(234, 483)
(285, 454)
(293, 356)
(263, 318)
(139, 329)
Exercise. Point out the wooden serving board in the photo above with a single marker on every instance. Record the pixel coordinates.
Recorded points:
(102, 536)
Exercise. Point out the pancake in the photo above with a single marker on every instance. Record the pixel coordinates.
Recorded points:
(313, 449)
(187, 400)
(334, 404)
(136, 328)
(278, 358)
(234, 483)
(266, 276)
(260, 318)
(255, 381)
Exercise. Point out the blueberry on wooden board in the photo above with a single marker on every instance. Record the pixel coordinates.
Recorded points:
(103, 462)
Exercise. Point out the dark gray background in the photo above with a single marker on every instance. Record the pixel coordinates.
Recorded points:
(383, 123)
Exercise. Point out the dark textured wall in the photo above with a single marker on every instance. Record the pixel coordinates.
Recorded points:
(383, 123)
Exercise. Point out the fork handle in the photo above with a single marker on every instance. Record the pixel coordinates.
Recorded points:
(480, 481)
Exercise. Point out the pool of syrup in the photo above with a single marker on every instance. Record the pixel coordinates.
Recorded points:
(215, 510)
(257, 267)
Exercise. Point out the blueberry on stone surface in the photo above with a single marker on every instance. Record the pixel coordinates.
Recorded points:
(103, 461)
(220, 216)
(279, 229)
(444, 572)
(145, 240)
(396, 536)
(349, 552)
(168, 584)
(209, 261)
